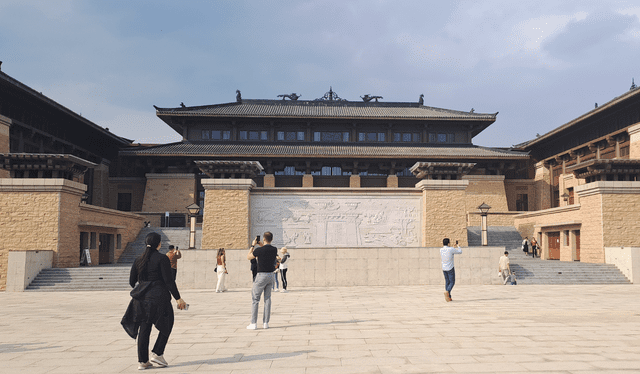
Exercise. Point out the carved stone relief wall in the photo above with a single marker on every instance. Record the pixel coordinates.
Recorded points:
(328, 221)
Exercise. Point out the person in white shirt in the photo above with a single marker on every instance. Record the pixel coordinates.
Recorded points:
(503, 267)
(446, 253)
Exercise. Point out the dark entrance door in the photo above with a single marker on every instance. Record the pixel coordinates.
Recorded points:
(105, 249)
(577, 245)
(554, 245)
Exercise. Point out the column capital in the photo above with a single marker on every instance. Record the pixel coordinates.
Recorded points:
(228, 184)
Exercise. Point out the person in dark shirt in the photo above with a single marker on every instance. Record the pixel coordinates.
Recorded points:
(266, 255)
(155, 304)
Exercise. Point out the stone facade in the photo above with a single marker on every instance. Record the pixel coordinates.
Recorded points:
(128, 185)
(634, 141)
(169, 193)
(226, 219)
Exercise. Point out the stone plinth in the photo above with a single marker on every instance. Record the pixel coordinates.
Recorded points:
(443, 211)
(226, 220)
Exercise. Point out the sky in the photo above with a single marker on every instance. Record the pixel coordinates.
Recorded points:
(539, 63)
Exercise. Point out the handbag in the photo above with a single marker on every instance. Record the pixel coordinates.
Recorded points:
(215, 269)
(140, 289)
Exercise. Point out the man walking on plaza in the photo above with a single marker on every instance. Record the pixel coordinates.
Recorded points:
(446, 253)
(503, 267)
(266, 255)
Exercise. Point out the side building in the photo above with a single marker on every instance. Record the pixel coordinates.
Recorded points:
(586, 177)
(54, 186)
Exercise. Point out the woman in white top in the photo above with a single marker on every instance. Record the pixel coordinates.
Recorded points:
(284, 265)
(221, 269)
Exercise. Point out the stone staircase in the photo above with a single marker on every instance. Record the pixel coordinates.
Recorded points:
(112, 277)
(536, 271)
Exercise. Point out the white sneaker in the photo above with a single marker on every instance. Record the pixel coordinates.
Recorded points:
(277, 290)
(144, 365)
(283, 291)
(158, 360)
(252, 326)
(265, 325)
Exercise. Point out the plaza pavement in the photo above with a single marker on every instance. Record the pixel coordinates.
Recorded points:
(410, 329)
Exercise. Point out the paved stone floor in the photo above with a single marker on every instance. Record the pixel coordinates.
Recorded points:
(507, 329)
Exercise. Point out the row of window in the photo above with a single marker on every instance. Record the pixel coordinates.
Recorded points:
(336, 170)
(328, 136)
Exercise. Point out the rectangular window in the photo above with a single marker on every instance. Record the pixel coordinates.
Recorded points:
(264, 135)
(205, 134)
(380, 136)
(226, 135)
(361, 136)
(451, 138)
(254, 135)
(416, 137)
(301, 136)
(372, 137)
(118, 241)
(124, 201)
(244, 135)
(316, 136)
(442, 138)
(397, 136)
(345, 136)
(522, 202)
(93, 241)
(280, 135)
(326, 170)
(291, 136)
(406, 137)
(216, 134)
(432, 137)
(571, 196)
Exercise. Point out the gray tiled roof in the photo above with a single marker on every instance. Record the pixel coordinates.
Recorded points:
(323, 109)
(321, 150)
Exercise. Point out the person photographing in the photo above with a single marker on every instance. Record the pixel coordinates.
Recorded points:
(446, 254)
(266, 255)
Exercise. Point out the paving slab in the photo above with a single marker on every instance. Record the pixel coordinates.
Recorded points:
(407, 329)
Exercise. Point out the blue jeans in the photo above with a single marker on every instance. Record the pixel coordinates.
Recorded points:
(262, 283)
(449, 279)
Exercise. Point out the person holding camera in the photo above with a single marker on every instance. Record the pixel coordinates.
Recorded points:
(446, 254)
(174, 254)
(266, 255)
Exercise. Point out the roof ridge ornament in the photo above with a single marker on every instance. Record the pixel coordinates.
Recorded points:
(238, 96)
(366, 98)
(633, 85)
(421, 100)
(330, 96)
(294, 96)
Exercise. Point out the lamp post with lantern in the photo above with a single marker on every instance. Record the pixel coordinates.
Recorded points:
(193, 209)
(484, 209)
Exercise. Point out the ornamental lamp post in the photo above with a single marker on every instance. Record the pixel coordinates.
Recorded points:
(193, 209)
(484, 209)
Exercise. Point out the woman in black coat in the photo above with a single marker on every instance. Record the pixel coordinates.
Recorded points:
(151, 302)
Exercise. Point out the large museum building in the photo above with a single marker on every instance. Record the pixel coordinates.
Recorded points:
(325, 173)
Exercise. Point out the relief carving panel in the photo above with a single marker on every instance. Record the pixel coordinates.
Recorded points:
(312, 221)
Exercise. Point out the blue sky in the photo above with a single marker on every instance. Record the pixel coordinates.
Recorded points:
(539, 63)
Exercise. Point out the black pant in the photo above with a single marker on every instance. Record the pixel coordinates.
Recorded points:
(174, 272)
(143, 342)
(283, 274)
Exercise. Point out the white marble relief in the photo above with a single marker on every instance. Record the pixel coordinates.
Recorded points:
(338, 221)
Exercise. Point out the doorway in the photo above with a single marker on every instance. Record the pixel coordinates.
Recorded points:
(554, 245)
(105, 249)
(577, 233)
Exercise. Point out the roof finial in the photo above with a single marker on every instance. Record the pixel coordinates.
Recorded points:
(0, 65)
(238, 96)
(596, 105)
(421, 100)
(633, 84)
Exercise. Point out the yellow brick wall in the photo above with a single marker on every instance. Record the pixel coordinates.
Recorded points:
(354, 181)
(491, 192)
(134, 186)
(114, 222)
(307, 181)
(542, 180)
(269, 180)
(69, 234)
(514, 187)
(591, 233)
(169, 193)
(392, 181)
(226, 218)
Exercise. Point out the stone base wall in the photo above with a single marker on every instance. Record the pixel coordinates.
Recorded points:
(24, 266)
(627, 259)
(337, 267)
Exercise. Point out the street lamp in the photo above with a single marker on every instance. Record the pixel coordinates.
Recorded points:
(193, 209)
(484, 209)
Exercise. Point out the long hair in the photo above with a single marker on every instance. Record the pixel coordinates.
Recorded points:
(152, 240)
(220, 252)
